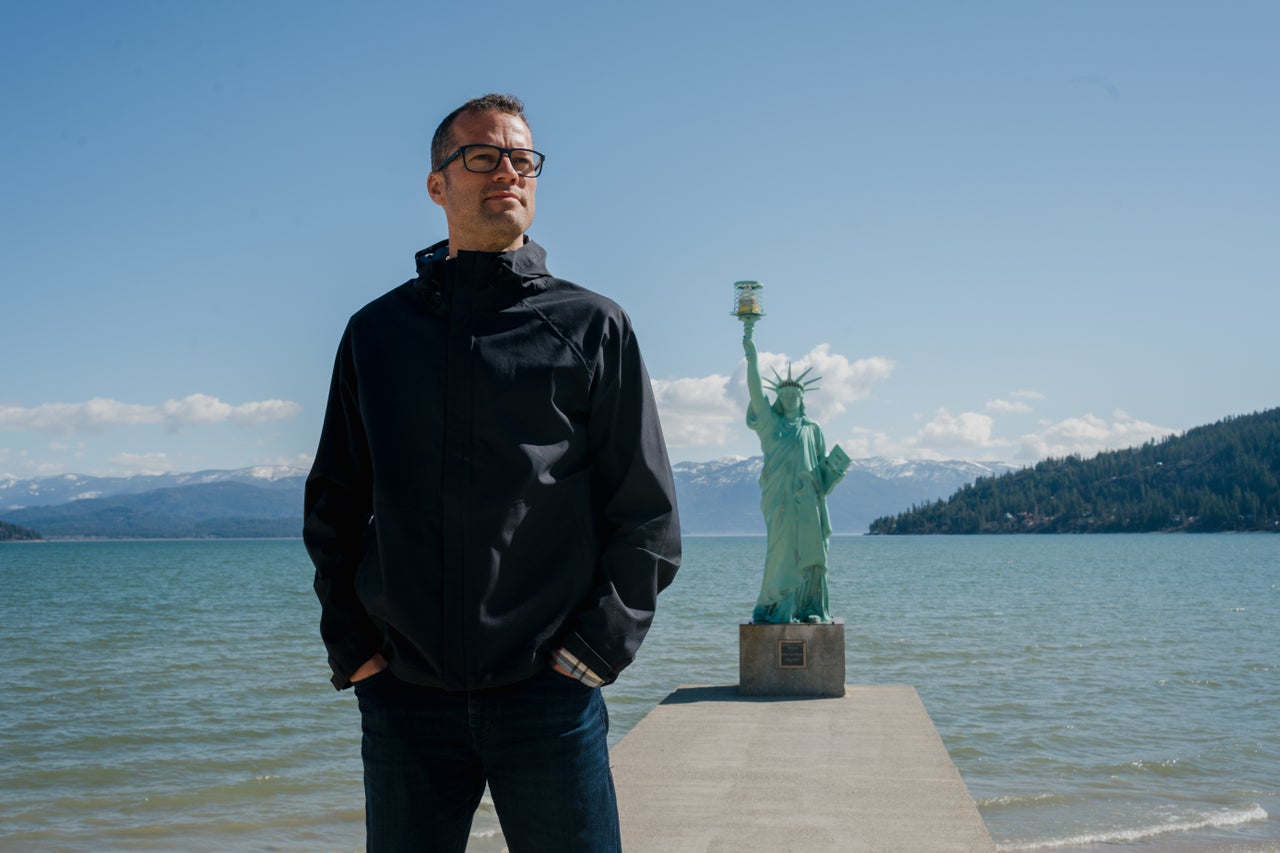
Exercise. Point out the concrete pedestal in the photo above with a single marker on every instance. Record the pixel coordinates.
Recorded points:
(791, 659)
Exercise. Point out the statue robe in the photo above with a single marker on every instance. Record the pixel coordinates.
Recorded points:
(794, 484)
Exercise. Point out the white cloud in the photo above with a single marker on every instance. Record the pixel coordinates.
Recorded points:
(974, 435)
(1087, 436)
(143, 463)
(297, 460)
(971, 435)
(195, 409)
(101, 413)
(1008, 407)
(264, 411)
(64, 418)
(965, 430)
(968, 435)
(862, 443)
(843, 381)
(696, 411)
(708, 411)
(1014, 405)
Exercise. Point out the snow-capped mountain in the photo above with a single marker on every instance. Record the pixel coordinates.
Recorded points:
(50, 491)
(718, 497)
(723, 496)
(949, 475)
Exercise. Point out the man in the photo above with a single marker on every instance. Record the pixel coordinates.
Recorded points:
(491, 515)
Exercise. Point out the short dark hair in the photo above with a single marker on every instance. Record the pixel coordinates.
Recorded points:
(443, 143)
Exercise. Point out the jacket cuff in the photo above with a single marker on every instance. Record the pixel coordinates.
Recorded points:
(342, 668)
(575, 645)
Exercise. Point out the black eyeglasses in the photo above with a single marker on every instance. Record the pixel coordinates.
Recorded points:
(485, 158)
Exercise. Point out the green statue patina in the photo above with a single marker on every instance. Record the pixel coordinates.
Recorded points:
(794, 484)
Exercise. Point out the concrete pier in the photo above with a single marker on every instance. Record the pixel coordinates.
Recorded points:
(711, 770)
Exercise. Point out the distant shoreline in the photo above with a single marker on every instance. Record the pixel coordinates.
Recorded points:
(688, 536)
(50, 539)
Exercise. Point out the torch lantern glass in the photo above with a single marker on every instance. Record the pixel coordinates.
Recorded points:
(748, 300)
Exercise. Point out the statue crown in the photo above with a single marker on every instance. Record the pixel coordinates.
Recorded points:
(793, 381)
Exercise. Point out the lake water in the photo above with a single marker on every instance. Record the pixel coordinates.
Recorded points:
(1092, 690)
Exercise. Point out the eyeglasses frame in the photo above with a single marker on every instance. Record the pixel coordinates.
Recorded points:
(502, 152)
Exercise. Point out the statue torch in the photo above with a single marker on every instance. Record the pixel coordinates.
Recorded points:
(748, 303)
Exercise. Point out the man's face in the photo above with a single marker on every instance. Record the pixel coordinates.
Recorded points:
(486, 212)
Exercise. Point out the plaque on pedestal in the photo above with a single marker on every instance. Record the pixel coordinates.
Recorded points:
(791, 658)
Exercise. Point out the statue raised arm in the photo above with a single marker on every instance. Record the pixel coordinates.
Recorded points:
(759, 403)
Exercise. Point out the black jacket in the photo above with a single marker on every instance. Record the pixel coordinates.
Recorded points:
(491, 481)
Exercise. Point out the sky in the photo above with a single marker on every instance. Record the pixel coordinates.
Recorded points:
(998, 230)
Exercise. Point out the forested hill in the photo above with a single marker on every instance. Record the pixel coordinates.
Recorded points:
(14, 533)
(1221, 477)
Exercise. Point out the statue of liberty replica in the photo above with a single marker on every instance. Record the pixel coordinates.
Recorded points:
(794, 484)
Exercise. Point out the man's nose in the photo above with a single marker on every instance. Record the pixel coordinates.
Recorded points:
(506, 169)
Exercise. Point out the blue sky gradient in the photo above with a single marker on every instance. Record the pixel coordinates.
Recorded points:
(1000, 230)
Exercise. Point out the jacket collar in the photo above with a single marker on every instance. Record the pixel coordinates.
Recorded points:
(481, 279)
(525, 265)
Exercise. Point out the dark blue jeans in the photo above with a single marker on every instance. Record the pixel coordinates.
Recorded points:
(541, 745)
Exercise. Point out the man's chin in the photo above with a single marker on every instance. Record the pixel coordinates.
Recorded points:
(510, 222)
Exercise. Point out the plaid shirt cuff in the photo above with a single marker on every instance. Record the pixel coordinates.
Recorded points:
(576, 668)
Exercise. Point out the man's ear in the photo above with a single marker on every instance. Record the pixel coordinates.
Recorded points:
(435, 187)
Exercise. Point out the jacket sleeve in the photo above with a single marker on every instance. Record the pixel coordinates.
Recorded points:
(337, 518)
(634, 500)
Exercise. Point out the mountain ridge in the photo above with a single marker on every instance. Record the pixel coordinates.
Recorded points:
(717, 497)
